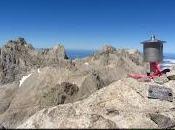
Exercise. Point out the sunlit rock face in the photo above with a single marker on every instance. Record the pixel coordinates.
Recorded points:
(82, 93)
(17, 57)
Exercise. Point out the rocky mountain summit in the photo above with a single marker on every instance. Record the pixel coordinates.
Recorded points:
(43, 88)
(17, 57)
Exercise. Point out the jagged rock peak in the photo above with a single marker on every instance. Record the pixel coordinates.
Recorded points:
(108, 48)
(20, 42)
(17, 57)
(59, 50)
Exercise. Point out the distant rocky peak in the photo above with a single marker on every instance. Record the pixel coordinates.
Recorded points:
(18, 40)
(108, 48)
(21, 40)
(17, 57)
(19, 44)
(59, 50)
(58, 46)
(16, 44)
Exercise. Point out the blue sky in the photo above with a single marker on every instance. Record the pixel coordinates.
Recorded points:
(88, 24)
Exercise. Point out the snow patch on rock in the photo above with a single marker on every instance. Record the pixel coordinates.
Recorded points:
(39, 71)
(23, 79)
(86, 63)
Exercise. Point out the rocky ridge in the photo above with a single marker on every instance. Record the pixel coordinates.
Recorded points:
(18, 57)
(93, 92)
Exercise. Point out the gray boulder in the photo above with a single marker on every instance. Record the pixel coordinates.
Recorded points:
(2, 127)
(92, 83)
(162, 121)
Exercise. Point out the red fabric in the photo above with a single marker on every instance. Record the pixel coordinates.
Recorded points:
(156, 72)
(137, 76)
(155, 67)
